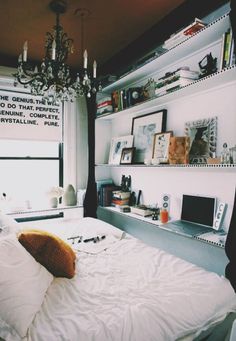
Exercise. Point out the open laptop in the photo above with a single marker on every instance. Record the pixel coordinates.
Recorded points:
(197, 216)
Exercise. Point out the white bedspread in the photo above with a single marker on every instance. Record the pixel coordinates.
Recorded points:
(129, 292)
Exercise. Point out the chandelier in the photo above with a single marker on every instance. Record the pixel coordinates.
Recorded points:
(52, 79)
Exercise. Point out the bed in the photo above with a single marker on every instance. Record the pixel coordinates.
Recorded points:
(122, 289)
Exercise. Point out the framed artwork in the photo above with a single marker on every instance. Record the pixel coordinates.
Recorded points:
(143, 129)
(203, 136)
(117, 145)
(179, 150)
(160, 150)
(127, 156)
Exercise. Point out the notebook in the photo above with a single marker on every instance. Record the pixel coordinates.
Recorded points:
(197, 216)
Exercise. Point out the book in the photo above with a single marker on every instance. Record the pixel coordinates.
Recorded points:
(119, 202)
(180, 36)
(173, 86)
(232, 54)
(106, 194)
(141, 210)
(227, 48)
(121, 195)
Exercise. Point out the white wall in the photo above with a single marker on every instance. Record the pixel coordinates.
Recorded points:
(153, 182)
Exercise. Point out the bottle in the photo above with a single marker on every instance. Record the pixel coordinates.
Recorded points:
(164, 216)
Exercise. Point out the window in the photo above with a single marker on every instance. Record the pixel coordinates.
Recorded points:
(28, 170)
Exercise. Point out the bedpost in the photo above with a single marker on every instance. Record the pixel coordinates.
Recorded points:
(90, 200)
(230, 249)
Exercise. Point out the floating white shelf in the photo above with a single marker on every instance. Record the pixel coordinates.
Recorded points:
(205, 166)
(213, 81)
(211, 32)
(157, 223)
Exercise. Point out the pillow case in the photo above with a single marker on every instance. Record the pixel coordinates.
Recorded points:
(23, 285)
(49, 250)
(7, 224)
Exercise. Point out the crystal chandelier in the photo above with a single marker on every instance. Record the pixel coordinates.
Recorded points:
(52, 79)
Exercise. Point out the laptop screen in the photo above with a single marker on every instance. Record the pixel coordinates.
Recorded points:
(200, 210)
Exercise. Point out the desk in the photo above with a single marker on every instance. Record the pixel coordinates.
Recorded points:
(207, 255)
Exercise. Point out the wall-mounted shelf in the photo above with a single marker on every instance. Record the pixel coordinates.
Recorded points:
(213, 81)
(211, 96)
(204, 166)
(211, 32)
(217, 240)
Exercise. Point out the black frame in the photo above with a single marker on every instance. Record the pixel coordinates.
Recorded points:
(125, 151)
(29, 158)
(163, 129)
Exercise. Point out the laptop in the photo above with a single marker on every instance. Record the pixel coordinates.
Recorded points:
(197, 216)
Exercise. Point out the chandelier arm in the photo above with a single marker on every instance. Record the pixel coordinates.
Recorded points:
(26, 82)
(52, 79)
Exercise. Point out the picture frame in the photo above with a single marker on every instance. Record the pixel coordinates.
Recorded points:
(160, 151)
(127, 156)
(179, 150)
(143, 129)
(117, 145)
(203, 139)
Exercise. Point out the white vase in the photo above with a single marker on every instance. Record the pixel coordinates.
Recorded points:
(53, 202)
(69, 197)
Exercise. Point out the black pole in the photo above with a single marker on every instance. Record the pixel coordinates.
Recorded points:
(90, 200)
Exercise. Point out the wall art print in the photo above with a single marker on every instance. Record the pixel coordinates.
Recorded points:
(143, 129)
(203, 138)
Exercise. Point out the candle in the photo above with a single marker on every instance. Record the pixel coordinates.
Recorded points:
(94, 69)
(20, 58)
(85, 59)
(54, 50)
(25, 49)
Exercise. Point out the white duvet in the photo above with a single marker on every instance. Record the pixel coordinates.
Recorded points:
(128, 291)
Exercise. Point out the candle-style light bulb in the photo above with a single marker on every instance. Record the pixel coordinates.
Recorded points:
(25, 50)
(54, 45)
(20, 58)
(94, 69)
(85, 59)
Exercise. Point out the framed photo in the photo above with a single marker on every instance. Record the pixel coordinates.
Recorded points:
(160, 150)
(179, 150)
(203, 136)
(127, 156)
(117, 145)
(143, 129)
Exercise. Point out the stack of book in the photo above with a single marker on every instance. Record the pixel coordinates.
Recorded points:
(120, 198)
(180, 36)
(105, 195)
(104, 105)
(227, 57)
(141, 210)
(175, 80)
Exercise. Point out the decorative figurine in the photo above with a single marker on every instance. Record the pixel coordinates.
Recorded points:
(125, 183)
(207, 65)
(155, 214)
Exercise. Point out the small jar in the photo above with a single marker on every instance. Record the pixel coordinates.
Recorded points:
(164, 216)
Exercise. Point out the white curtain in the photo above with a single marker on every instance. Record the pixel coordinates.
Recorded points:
(75, 144)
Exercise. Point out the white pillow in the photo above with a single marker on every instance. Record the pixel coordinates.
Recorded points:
(7, 224)
(23, 285)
